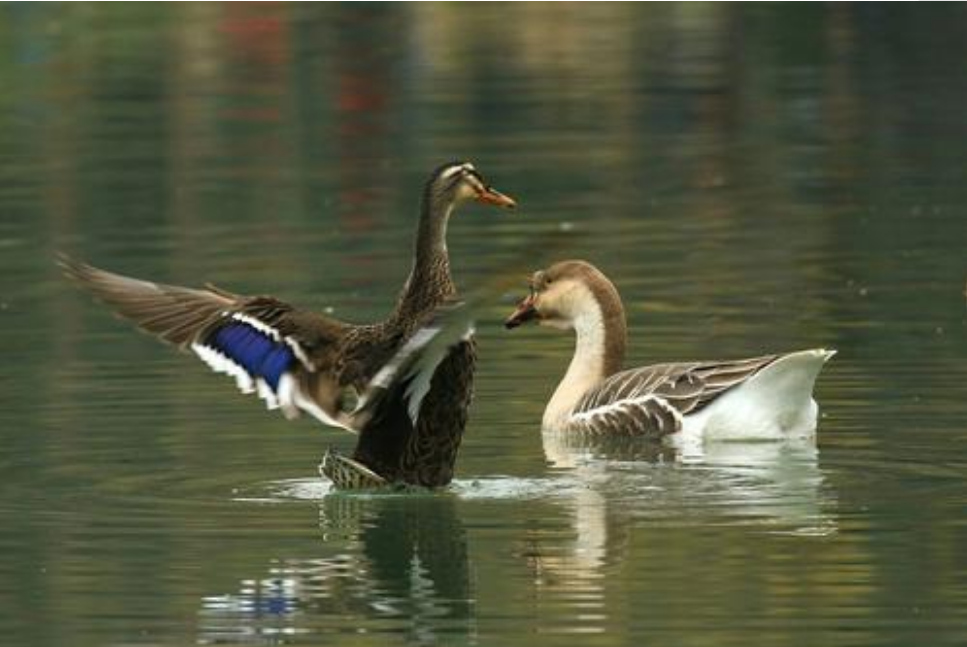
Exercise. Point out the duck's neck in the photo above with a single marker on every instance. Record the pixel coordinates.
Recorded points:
(601, 336)
(429, 283)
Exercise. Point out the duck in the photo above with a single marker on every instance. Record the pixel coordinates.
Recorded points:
(757, 398)
(304, 362)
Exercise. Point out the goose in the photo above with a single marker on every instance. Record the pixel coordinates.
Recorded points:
(767, 397)
(303, 362)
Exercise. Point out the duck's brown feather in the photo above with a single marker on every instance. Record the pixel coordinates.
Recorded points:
(423, 451)
(333, 356)
(171, 313)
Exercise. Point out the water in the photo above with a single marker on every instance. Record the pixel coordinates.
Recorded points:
(754, 179)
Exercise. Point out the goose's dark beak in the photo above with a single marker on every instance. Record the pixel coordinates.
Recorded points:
(525, 312)
(490, 195)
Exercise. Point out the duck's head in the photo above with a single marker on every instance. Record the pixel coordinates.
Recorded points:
(459, 182)
(566, 293)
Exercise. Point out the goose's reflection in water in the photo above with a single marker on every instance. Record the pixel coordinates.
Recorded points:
(635, 485)
(403, 566)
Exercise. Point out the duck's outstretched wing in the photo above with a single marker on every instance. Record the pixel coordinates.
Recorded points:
(286, 355)
(653, 399)
(173, 314)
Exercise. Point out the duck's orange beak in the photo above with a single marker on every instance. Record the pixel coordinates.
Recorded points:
(525, 311)
(489, 195)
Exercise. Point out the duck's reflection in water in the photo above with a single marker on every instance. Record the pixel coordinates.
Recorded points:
(774, 487)
(403, 568)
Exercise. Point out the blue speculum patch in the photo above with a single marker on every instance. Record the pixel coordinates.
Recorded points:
(254, 351)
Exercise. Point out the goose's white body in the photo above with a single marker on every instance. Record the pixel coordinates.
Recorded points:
(774, 404)
(757, 398)
(767, 398)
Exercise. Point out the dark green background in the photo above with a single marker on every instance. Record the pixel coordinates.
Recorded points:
(755, 178)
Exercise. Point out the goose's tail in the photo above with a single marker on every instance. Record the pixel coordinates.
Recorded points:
(775, 403)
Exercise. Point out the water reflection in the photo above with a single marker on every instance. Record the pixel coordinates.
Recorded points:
(402, 564)
(635, 484)
(757, 177)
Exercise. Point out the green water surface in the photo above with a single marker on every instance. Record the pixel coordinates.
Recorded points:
(754, 179)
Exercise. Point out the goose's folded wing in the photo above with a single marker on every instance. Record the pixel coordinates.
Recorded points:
(286, 355)
(653, 400)
(719, 377)
(648, 415)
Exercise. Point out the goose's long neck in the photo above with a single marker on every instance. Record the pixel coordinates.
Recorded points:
(601, 337)
(429, 283)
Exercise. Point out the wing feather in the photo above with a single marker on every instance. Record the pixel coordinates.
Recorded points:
(173, 314)
(652, 400)
(285, 355)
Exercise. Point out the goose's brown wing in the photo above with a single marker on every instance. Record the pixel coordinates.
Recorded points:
(653, 399)
(288, 356)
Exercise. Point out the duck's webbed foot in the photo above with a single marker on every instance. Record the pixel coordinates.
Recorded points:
(348, 474)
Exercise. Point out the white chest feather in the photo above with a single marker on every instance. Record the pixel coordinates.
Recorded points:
(585, 371)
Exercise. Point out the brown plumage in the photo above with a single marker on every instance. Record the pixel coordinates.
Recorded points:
(651, 400)
(597, 397)
(305, 362)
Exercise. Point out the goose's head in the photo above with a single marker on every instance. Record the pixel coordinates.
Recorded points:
(566, 294)
(459, 182)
